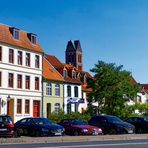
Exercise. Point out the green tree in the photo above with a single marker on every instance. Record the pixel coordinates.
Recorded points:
(111, 87)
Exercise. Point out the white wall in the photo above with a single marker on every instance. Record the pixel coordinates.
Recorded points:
(15, 93)
(81, 105)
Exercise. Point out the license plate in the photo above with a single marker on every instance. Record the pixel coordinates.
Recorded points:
(58, 134)
(3, 129)
(130, 132)
(95, 133)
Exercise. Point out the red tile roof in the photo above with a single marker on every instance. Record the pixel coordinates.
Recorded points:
(133, 80)
(54, 61)
(24, 42)
(58, 65)
(50, 73)
(144, 87)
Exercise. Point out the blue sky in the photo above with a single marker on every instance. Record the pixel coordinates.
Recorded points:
(114, 31)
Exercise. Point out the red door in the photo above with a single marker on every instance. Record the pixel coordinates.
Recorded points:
(36, 108)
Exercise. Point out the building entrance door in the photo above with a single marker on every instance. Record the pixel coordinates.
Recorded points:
(36, 108)
(10, 108)
(48, 109)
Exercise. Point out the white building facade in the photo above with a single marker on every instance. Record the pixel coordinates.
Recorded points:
(20, 74)
(73, 100)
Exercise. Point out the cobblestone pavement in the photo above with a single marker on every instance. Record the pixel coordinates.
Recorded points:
(71, 138)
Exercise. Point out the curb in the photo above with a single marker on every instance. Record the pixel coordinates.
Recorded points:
(27, 140)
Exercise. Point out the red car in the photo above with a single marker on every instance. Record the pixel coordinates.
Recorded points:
(6, 126)
(78, 127)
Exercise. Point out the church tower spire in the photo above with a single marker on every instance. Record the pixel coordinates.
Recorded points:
(73, 54)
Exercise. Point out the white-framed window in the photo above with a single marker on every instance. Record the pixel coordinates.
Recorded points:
(68, 91)
(76, 91)
(37, 61)
(78, 76)
(84, 80)
(19, 106)
(19, 57)
(16, 34)
(48, 89)
(28, 59)
(33, 39)
(57, 89)
(57, 107)
(64, 73)
(73, 74)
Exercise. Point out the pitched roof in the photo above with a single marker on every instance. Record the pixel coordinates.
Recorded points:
(77, 45)
(58, 64)
(24, 42)
(70, 46)
(54, 61)
(133, 81)
(50, 73)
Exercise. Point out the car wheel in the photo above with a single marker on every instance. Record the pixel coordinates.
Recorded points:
(15, 134)
(37, 134)
(112, 131)
(140, 131)
(76, 133)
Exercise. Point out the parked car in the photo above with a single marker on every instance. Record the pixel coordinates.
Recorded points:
(6, 126)
(140, 123)
(38, 127)
(78, 127)
(111, 124)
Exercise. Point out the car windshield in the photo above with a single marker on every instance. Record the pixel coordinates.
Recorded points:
(42, 121)
(146, 118)
(78, 122)
(113, 119)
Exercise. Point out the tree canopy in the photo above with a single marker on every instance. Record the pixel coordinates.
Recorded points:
(111, 87)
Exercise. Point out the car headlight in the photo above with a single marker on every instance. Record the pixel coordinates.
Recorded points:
(100, 130)
(84, 130)
(45, 130)
(63, 129)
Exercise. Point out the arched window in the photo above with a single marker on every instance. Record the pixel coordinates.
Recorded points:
(48, 89)
(76, 91)
(57, 89)
(68, 91)
(57, 107)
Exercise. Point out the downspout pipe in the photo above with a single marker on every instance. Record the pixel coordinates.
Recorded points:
(42, 89)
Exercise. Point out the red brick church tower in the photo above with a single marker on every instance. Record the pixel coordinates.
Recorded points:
(73, 54)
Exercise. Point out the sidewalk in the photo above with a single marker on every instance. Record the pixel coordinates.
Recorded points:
(71, 138)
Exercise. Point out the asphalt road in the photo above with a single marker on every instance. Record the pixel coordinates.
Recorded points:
(141, 143)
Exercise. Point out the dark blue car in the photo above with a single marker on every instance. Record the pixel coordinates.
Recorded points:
(140, 123)
(111, 124)
(38, 127)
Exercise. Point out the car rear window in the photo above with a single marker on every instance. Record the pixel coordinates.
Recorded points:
(5, 119)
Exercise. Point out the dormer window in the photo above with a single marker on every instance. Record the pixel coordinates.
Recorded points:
(84, 80)
(78, 76)
(33, 38)
(73, 74)
(16, 33)
(64, 73)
